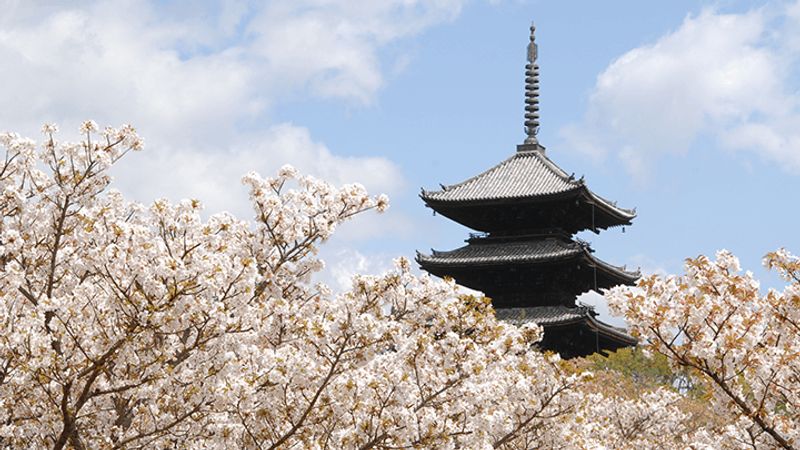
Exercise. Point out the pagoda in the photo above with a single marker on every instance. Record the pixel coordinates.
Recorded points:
(524, 256)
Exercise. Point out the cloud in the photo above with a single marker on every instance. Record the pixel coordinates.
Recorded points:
(117, 62)
(776, 140)
(179, 172)
(726, 76)
(331, 46)
(651, 266)
(348, 262)
(200, 73)
(597, 301)
(201, 83)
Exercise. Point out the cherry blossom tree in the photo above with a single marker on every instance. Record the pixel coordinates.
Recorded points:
(715, 323)
(132, 326)
(639, 401)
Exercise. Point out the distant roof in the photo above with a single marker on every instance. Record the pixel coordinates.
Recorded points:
(503, 251)
(527, 174)
(562, 315)
(542, 315)
(499, 252)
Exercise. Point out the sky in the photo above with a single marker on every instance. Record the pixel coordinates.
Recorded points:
(688, 111)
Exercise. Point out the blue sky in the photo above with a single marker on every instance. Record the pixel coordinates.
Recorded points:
(687, 111)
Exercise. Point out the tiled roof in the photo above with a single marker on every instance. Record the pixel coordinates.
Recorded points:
(631, 276)
(612, 206)
(562, 315)
(526, 174)
(608, 330)
(489, 251)
(505, 252)
(542, 315)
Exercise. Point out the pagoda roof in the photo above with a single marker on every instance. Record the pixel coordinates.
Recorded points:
(495, 251)
(541, 315)
(549, 316)
(528, 174)
(501, 252)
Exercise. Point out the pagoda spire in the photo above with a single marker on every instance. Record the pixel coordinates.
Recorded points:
(532, 91)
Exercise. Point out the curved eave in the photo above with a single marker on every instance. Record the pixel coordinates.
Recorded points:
(622, 215)
(434, 261)
(607, 213)
(605, 330)
(560, 316)
(547, 315)
(616, 272)
(438, 260)
(611, 333)
(433, 202)
(525, 174)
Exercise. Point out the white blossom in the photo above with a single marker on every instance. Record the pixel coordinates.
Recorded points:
(132, 326)
(715, 322)
(87, 126)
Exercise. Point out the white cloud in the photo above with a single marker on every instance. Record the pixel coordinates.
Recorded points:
(331, 46)
(727, 76)
(348, 262)
(200, 70)
(650, 266)
(213, 177)
(776, 140)
(118, 63)
(598, 302)
(200, 83)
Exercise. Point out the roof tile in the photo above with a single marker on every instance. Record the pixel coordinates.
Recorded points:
(562, 315)
(496, 251)
(505, 252)
(542, 315)
(525, 174)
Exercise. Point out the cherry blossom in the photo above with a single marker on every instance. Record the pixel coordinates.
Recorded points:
(132, 326)
(125, 325)
(744, 344)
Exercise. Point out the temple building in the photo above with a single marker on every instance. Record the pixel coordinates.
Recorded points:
(524, 256)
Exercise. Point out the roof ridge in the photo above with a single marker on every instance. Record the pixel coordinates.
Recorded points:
(540, 161)
(554, 167)
(553, 249)
(485, 172)
(571, 179)
(530, 234)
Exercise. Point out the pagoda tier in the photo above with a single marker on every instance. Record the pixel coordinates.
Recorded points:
(526, 192)
(526, 270)
(570, 331)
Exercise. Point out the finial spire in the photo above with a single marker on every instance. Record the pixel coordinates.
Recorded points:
(532, 91)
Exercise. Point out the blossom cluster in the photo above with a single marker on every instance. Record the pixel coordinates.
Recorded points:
(715, 322)
(132, 326)
(125, 325)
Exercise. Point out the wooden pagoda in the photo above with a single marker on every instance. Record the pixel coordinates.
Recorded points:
(525, 256)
